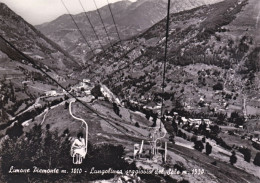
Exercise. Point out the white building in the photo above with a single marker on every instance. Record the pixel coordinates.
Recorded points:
(38, 57)
(111, 97)
(199, 121)
(87, 92)
(86, 81)
(51, 93)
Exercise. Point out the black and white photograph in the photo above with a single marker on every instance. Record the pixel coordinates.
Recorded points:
(129, 91)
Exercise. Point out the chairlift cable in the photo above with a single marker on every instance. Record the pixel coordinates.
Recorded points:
(165, 58)
(78, 28)
(110, 9)
(86, 15)
(103, 23)
(31, 61)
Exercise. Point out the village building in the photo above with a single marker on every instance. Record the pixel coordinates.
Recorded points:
(51, 93)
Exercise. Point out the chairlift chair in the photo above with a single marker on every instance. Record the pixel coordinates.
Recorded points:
(77, 157)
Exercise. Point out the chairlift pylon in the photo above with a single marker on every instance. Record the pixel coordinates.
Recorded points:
(154, 137)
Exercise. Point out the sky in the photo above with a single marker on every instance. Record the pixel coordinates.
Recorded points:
(39, 11)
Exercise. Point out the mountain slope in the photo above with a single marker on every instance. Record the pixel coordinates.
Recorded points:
(131, 19)
(204, 53)
(21, 82)
(28, 39)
